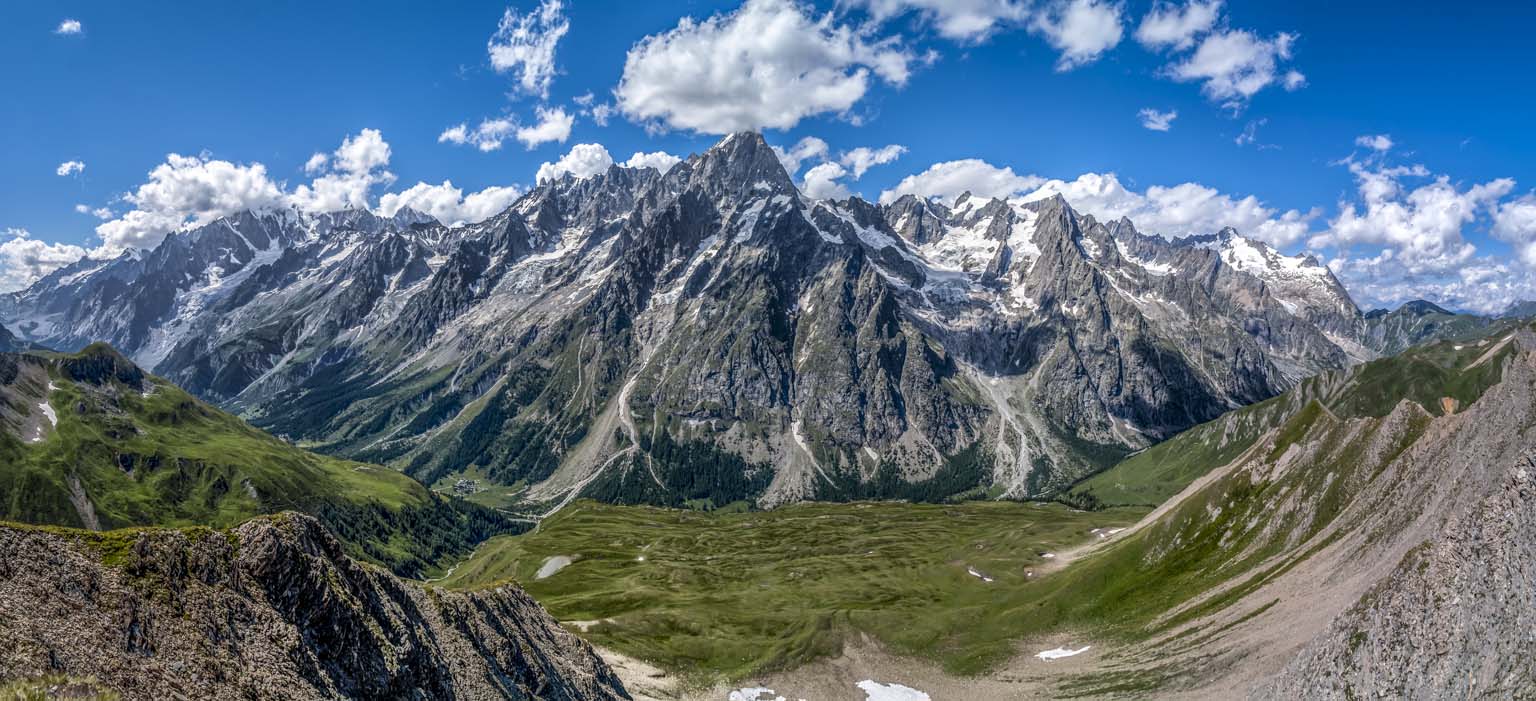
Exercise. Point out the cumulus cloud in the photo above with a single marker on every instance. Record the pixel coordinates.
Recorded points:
(959, 20)
(1081, 30)
(487, 136)
(950, 179)
(98, 212)
(806, 149)
(1375, 142)
(524, 45)
(1421, 227)
(768, 64)
(449, 204)
(553, 125)
(821, 182)
(24, 259)
(317, 163)
(1169, 26)
(583, 160)
(602, 112)
(186, 190)
(1232, 66)
(1155, 120)
(861, 159)
(70, 168)
(355, 168)
(68, 27)
(1515, 223)
(660, 160)
(195, 190)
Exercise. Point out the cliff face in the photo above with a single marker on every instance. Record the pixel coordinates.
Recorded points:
(271, 609)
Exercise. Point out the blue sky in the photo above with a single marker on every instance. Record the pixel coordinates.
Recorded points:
(1049, 90)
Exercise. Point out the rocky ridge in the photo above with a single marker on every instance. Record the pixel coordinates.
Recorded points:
(271, 609)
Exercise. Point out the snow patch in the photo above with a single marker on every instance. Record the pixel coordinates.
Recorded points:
(1060, 652)
(875, 691)
(754, 693)
(552, 565)
(974, 573)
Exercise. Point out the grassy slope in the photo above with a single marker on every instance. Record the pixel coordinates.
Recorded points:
(164, 458)
(730, 594)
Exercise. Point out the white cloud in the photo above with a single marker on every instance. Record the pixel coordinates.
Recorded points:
(1250, 134)
(524, 45)
(70, 168)
(553, 125)
(863, 158)
(1081, 30)
(1515, 223)
(821, 182)
(950, 179)
(1181, 210)
(68, 27)
(24, 259)
(316, 163)
(362, 153)
(98, 212)
(804, 150)
(1421, 227)
(768, 64)
(1157, 121)
(1376, 142)
(186, 190)
(660, 160)
(959, 20)
(1168, 25)
(449, 204)
(1234, 65)
(583, 160)
(601, 112)
(488, 136)
(355, 168)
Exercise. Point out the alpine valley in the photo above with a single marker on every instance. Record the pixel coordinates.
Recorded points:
(696, 435)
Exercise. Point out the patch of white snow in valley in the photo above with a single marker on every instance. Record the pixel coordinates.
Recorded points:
(753, 693)
(1060, 652)
(972, 571)
(47, 409)
(552, 565)
(875, 691)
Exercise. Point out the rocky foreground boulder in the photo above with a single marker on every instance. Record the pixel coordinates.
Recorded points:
(271, 609)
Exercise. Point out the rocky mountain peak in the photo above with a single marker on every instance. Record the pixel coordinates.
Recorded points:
(738, 166)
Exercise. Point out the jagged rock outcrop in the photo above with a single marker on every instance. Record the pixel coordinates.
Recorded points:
(271, 609)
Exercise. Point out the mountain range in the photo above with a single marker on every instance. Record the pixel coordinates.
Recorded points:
(710, 334)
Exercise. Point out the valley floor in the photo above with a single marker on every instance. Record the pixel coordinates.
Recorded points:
(808, 596)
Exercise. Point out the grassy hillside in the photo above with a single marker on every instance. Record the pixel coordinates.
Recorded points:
(712, 594)
(129, 449)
